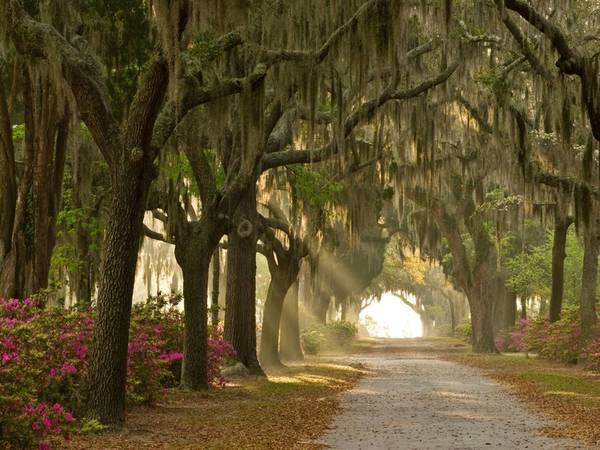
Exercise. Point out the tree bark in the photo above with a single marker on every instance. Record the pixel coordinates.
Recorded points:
(240, 312)
(269, 340)
(195, 243)
(108, 359)
(290, 348)
(193, 255)
(561, 228)
(482, 318)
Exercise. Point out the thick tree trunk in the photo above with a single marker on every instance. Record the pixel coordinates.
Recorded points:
(269, 341)
(240, 312)
(483, 326)
(589, 284)
(290, 348)
(481, 301)
(194, 369)
(561, 228)
(196, 243)
(108, 359)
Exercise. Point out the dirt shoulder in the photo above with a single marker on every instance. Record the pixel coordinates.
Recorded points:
(567, 395)
(289, 410)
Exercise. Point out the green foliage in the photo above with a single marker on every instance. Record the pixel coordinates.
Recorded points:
(530, 271)
(331, 336)
(18, 133)
(312, 187)
(92, 426)
(464, 330)
(497, 200)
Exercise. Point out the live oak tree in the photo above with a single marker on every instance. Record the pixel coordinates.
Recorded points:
(130, 146)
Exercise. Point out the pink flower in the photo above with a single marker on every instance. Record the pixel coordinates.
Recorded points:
(68, 368)
(47, 421)
(35, 426)
(57, 408)
(69, 417)
(53, 373)
(43, 446)
(171, 356)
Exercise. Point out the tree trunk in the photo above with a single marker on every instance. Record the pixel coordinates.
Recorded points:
(589, 284)
(269, 340)
(561, 228)
(216, 275)
(500, 304)
(523, 308)
(8, 180)
(195, 267)
(108, 359)
(196, 243)
(510, 311)
(343, 307)
(289, 347)
(25, 268)
(452, 315)
(240, 312)
(483, 327)
(481, 302)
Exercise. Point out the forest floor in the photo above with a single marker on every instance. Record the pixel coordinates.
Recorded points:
(435, 394)
(288, 411)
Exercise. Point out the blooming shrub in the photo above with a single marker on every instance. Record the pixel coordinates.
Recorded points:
(42, 354)
(593, 354)
(43, 365)
(513, 340)
(558, 341)
(220, 353)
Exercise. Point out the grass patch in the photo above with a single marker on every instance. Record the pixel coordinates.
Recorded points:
(557, 383)
(289, 410)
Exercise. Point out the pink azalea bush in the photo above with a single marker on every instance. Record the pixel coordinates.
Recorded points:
(559, 341)
(513, 340)
(44, 360)
(593, 354)
(220, 352)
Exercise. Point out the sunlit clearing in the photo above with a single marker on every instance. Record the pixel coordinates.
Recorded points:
(391, 318)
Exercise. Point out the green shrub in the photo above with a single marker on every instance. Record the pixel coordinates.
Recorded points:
(312, 341)
(332, 336)
(464, 331)
(559, 341)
